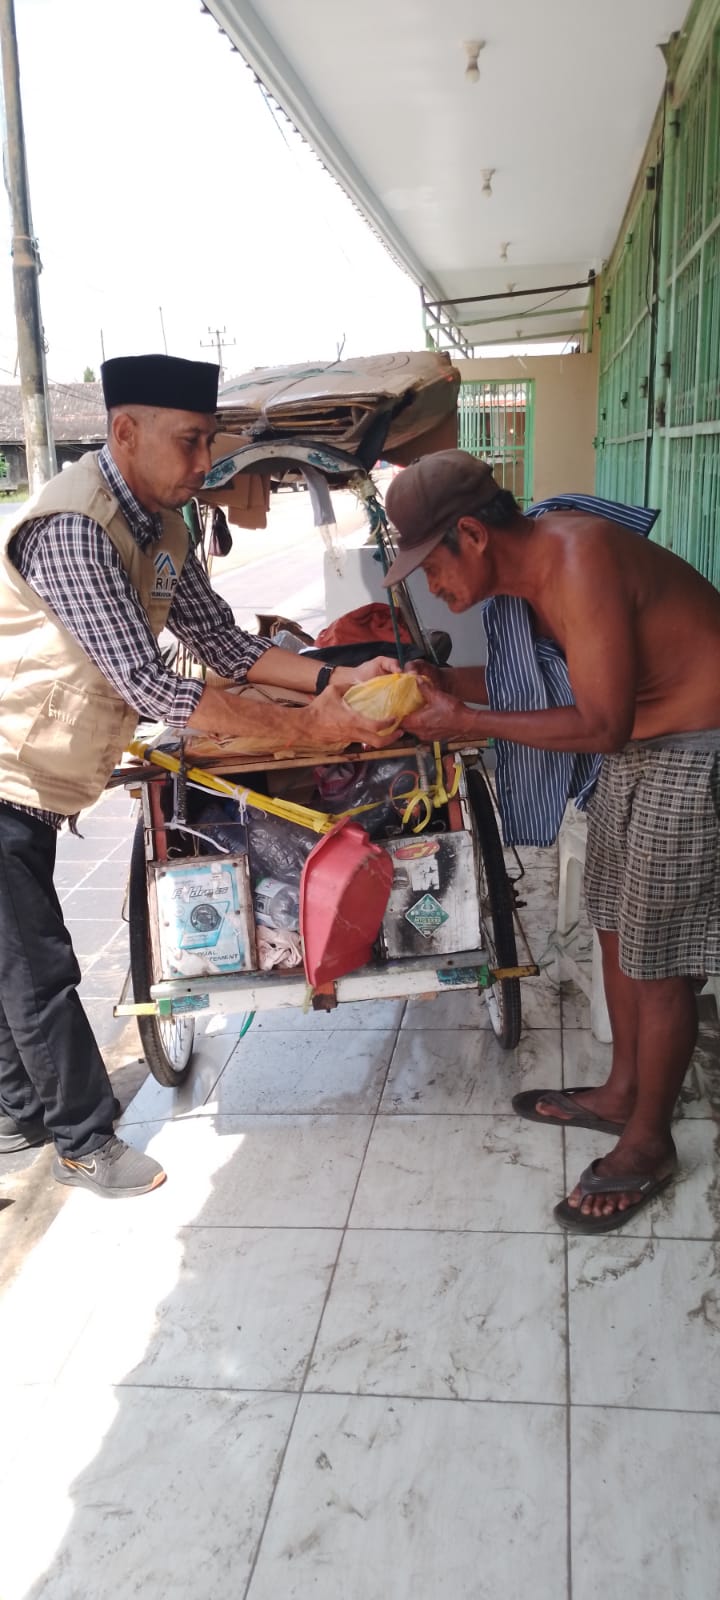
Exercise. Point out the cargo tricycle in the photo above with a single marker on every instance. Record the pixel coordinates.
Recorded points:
(314, 879)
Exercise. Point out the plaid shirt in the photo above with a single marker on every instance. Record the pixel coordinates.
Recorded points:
(74, 567)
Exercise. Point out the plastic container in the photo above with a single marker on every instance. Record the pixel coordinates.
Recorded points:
(277, 904)
(224, 832)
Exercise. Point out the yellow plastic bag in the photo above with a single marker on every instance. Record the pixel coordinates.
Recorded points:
(390, 698)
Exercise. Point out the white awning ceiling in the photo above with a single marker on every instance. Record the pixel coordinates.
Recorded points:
(559, 116)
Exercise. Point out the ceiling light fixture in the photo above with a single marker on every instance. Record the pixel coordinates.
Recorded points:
(487, 174)
(472, 48)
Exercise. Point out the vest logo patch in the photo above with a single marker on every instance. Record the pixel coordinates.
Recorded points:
(166, 576)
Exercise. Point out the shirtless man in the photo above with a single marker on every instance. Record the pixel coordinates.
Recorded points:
(640, 630)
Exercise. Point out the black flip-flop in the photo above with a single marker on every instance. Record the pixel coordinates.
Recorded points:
(525, 1105)
(592, 1183)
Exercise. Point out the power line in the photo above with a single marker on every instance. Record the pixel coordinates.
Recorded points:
(218, 341)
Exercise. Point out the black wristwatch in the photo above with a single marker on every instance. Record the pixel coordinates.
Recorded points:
(323, 678)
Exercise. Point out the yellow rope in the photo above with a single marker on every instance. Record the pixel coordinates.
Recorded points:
(319, 821)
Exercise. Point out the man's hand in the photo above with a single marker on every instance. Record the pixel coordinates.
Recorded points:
(328, 721)
(437, 676)
(442, 716)
(378, 667)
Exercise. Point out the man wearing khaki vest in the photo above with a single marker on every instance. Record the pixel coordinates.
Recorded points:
(90, 573)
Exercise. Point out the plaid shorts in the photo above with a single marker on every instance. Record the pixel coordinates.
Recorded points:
(652, 868)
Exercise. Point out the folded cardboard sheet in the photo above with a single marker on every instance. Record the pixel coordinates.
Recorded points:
(339, 401)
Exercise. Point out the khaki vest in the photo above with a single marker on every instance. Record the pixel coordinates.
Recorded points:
(63, 726)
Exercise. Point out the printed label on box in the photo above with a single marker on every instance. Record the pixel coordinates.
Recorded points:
(204, 917)
(426, 916)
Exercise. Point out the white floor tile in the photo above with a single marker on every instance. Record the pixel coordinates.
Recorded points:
(484, 1173)
(284, 1171)
(587, 1062)
(335, 1070)
(242, 1171)
(700, 1093)
(292, 1172)
(387, 1500)
(448, 1315)
(644, 1323)
(154, 1102)
(219, 1308)
(461, 1071)
(149, 1492)
(45, 1308)
(690, 1208)
(575, 1006)
(468, 1009)
(645, 1493)
(377, 1014)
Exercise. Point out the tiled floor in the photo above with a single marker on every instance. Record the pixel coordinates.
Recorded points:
(345, 1353)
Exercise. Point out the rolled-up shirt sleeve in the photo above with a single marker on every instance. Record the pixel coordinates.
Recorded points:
(203, 621)
(74, 567)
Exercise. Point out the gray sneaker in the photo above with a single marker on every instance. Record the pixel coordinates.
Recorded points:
(21, 1135)
(115, 1170)
(27, 1135)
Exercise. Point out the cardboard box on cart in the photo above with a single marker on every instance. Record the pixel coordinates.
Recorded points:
(433, 907)
(201, 916)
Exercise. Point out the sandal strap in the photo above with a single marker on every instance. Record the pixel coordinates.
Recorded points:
(592, 1182)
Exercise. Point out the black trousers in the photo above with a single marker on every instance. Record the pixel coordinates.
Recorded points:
(50, 1064)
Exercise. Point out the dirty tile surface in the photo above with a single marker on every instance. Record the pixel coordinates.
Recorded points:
(345, 1353)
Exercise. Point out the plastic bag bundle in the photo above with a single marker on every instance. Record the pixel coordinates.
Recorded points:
(380, 784)
(224, 833)
(390, 698)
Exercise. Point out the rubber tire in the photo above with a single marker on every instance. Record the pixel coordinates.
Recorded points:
(500, 896)
(149, 1028)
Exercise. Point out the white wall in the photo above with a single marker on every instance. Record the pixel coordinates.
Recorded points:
(360, 581)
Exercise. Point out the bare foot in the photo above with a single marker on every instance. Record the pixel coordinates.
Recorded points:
(650, 1161)
(601, 1101)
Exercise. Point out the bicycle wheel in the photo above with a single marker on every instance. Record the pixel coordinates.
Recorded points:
(496, 912)
(167, 1043)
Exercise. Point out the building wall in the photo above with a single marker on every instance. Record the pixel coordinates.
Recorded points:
(565, 415)
(659, 410)
(16, 461)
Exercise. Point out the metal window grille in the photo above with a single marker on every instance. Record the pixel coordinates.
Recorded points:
(659, 394)
(496, 421)
(689, 444)
(624, 430)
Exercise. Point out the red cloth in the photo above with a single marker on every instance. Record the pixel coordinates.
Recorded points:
(361, 626)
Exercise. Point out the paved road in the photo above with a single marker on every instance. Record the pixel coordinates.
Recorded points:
(289, 582)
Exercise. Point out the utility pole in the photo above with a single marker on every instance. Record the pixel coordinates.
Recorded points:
(219, 342)
(39, 445)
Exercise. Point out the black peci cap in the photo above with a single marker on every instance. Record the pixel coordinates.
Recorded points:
(168, 382)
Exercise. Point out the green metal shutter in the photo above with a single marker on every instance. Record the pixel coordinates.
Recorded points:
(691, 437)
(659, 394)
(624, 425)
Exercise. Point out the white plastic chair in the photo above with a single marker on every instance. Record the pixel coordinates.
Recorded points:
(572, 841)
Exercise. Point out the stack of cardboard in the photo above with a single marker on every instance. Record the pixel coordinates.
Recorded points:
(339, 401)
(413, 392)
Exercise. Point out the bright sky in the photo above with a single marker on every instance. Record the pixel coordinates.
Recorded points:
(159, 178)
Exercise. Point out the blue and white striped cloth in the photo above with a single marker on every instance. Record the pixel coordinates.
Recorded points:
(524, 673)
